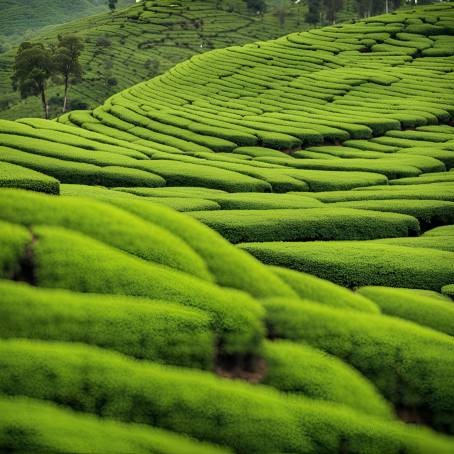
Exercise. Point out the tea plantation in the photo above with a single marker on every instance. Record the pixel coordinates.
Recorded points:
(250, 253)
(132, 44)
(20, 19)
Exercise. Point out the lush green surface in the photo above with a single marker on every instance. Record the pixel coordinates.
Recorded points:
(422, 309)
(329, 152)
(259, 418)
(306, 225)
(145, 39)
(358, 263)
(21, 19)
(144, 329)
(419, 354)
(29, 425)
(14, 176)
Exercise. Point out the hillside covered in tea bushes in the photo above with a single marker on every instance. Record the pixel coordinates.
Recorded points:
(139, 42)
(20, 18)
(250, 253)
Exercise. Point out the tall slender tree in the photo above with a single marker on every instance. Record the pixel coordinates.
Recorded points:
(67, 62)
(258, 6)
(281, 11)
(112, 5)
(331, 8)
(33, 67)
(313, 12)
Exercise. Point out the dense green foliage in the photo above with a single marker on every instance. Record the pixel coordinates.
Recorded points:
(260, 419)
(326, 154)
(422, 309)
(130, 45)
(358, 263)
(142, 328)
(13, 176)
(309, 224)
(29, 425)
(420, 355)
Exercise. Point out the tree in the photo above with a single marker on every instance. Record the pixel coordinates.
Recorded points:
(313, 12)
(282, 10)
(331, 8)
(112, 5)
(256, 5)
(67, 62)
(33, 68)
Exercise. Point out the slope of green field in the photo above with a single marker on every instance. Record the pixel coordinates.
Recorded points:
(327, 155)
(20, 20)
(140, 42)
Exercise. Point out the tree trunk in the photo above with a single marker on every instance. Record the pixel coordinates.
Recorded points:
(65, 100)
(386, 7)
(44, 103)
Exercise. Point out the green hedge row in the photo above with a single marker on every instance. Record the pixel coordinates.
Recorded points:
(14, 176)
(60, 150)
(416, 192)
(410, 365)
(84, 137)
(29, 425)
(327, 180)
(301, 369)
(68, 260)
(185, 203)
(425, 310)
(229, 266)
(322, 291)
(146, 329)
(429, 213)
(68, 136)
(105, 223)
(232, 201)
(442, 177)
(81, 173)
(442, 243)
(444, 230)
(308, 224)
(356, 263)
(255, 419)
(186, 174)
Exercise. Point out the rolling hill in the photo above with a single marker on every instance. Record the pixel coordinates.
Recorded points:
(20, 20)
(141, 41)
(254, 250)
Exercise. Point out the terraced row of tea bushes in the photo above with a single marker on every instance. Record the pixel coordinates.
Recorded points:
(425, 310)
(428, 212)
(271, 422)
(442, 243)
(359, 263)
(19, 177)
(124, 231)
(68, 260)
(312, 288)
(308, 224)
(45, 427)
(225, 201)
(418, 353)
(229, 266)
(156, 331)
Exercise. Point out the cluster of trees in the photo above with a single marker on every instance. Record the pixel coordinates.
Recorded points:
(36, 64)
(326, 11)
